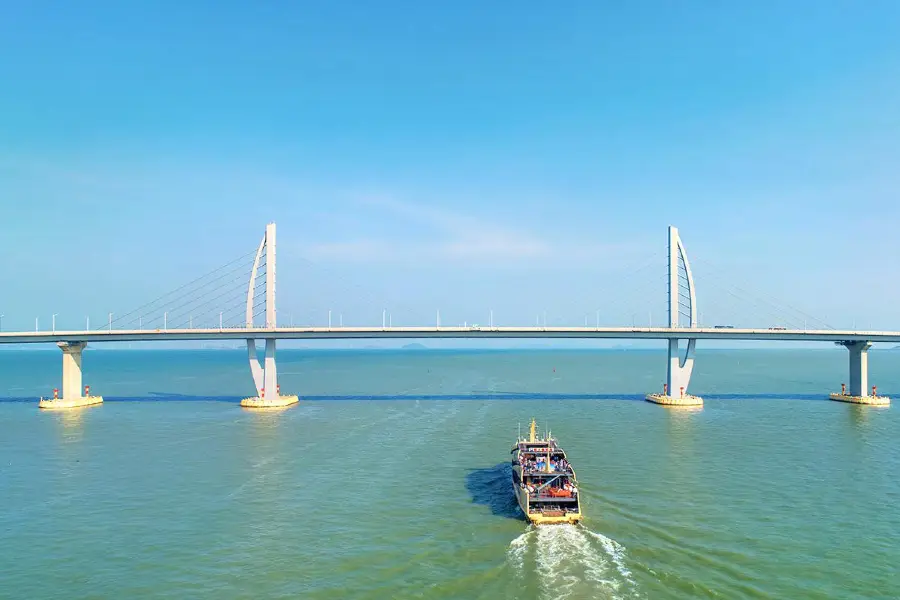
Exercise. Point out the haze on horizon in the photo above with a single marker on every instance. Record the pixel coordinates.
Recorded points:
(520, 158)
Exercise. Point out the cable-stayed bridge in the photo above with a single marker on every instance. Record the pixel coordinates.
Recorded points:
(238, 302)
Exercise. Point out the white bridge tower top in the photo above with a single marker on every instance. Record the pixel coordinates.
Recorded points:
(268, 245)
(682, 295)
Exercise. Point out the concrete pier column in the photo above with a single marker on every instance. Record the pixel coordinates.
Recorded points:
(270, 372)
(678, 374)
(859, 377)
(859, 367)
(265, 378)
(71, 369)
(72, 396)
(256, 369)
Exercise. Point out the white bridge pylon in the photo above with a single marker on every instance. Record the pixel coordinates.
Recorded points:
(265, 375)
(682, 312)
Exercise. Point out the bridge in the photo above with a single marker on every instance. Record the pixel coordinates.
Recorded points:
(467, 332)
(681, 333)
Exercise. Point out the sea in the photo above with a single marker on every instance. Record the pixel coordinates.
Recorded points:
(391, 477)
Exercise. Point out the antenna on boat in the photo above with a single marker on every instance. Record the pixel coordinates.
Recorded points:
(547, 466)
(519, 436)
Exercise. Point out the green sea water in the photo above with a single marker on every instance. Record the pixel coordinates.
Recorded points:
(391, 478)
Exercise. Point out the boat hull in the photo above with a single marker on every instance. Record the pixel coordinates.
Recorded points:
(568, 519)
(537, 517)
(537, 464)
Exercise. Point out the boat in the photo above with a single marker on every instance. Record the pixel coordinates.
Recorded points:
(544, 481)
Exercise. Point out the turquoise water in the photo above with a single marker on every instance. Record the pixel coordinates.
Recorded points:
(391, 478)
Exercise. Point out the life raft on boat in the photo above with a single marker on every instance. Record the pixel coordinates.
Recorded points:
(559, 493)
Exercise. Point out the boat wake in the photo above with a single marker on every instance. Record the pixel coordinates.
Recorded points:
(570, 561)
(518, 551)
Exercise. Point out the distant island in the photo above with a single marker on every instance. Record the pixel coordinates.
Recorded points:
(414, 346)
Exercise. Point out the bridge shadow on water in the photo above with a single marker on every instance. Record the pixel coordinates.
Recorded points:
(492, 487)
(475, 395)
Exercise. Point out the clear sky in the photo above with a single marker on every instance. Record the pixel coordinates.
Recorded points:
(521, 157)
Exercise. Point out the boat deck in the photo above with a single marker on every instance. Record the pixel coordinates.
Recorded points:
(559, 499)
(538, 473)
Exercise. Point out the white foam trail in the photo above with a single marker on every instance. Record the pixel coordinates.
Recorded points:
(569, 563)
(551, 552)
(572, 562)
(515, 554)
(616, 553)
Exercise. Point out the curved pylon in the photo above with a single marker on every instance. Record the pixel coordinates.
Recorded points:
(265, 375)
(680, 366)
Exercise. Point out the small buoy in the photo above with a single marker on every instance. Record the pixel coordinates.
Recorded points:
(554, 369)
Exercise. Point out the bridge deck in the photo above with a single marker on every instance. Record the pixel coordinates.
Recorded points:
(312, 333)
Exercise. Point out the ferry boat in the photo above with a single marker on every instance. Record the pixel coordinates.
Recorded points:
(544, 481)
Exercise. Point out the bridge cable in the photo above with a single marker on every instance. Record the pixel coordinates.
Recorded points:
(182, 287)
(773, 302)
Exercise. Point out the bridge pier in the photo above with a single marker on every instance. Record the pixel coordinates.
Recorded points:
(265, 378)
(678, 376)
(859, 378)
(71, 381)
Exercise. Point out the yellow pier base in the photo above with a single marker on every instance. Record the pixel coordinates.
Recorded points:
(278, 402)
(63, 403)
(686, 400)
(869, 400)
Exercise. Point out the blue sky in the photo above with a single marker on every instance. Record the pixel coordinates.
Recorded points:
(524, 157)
